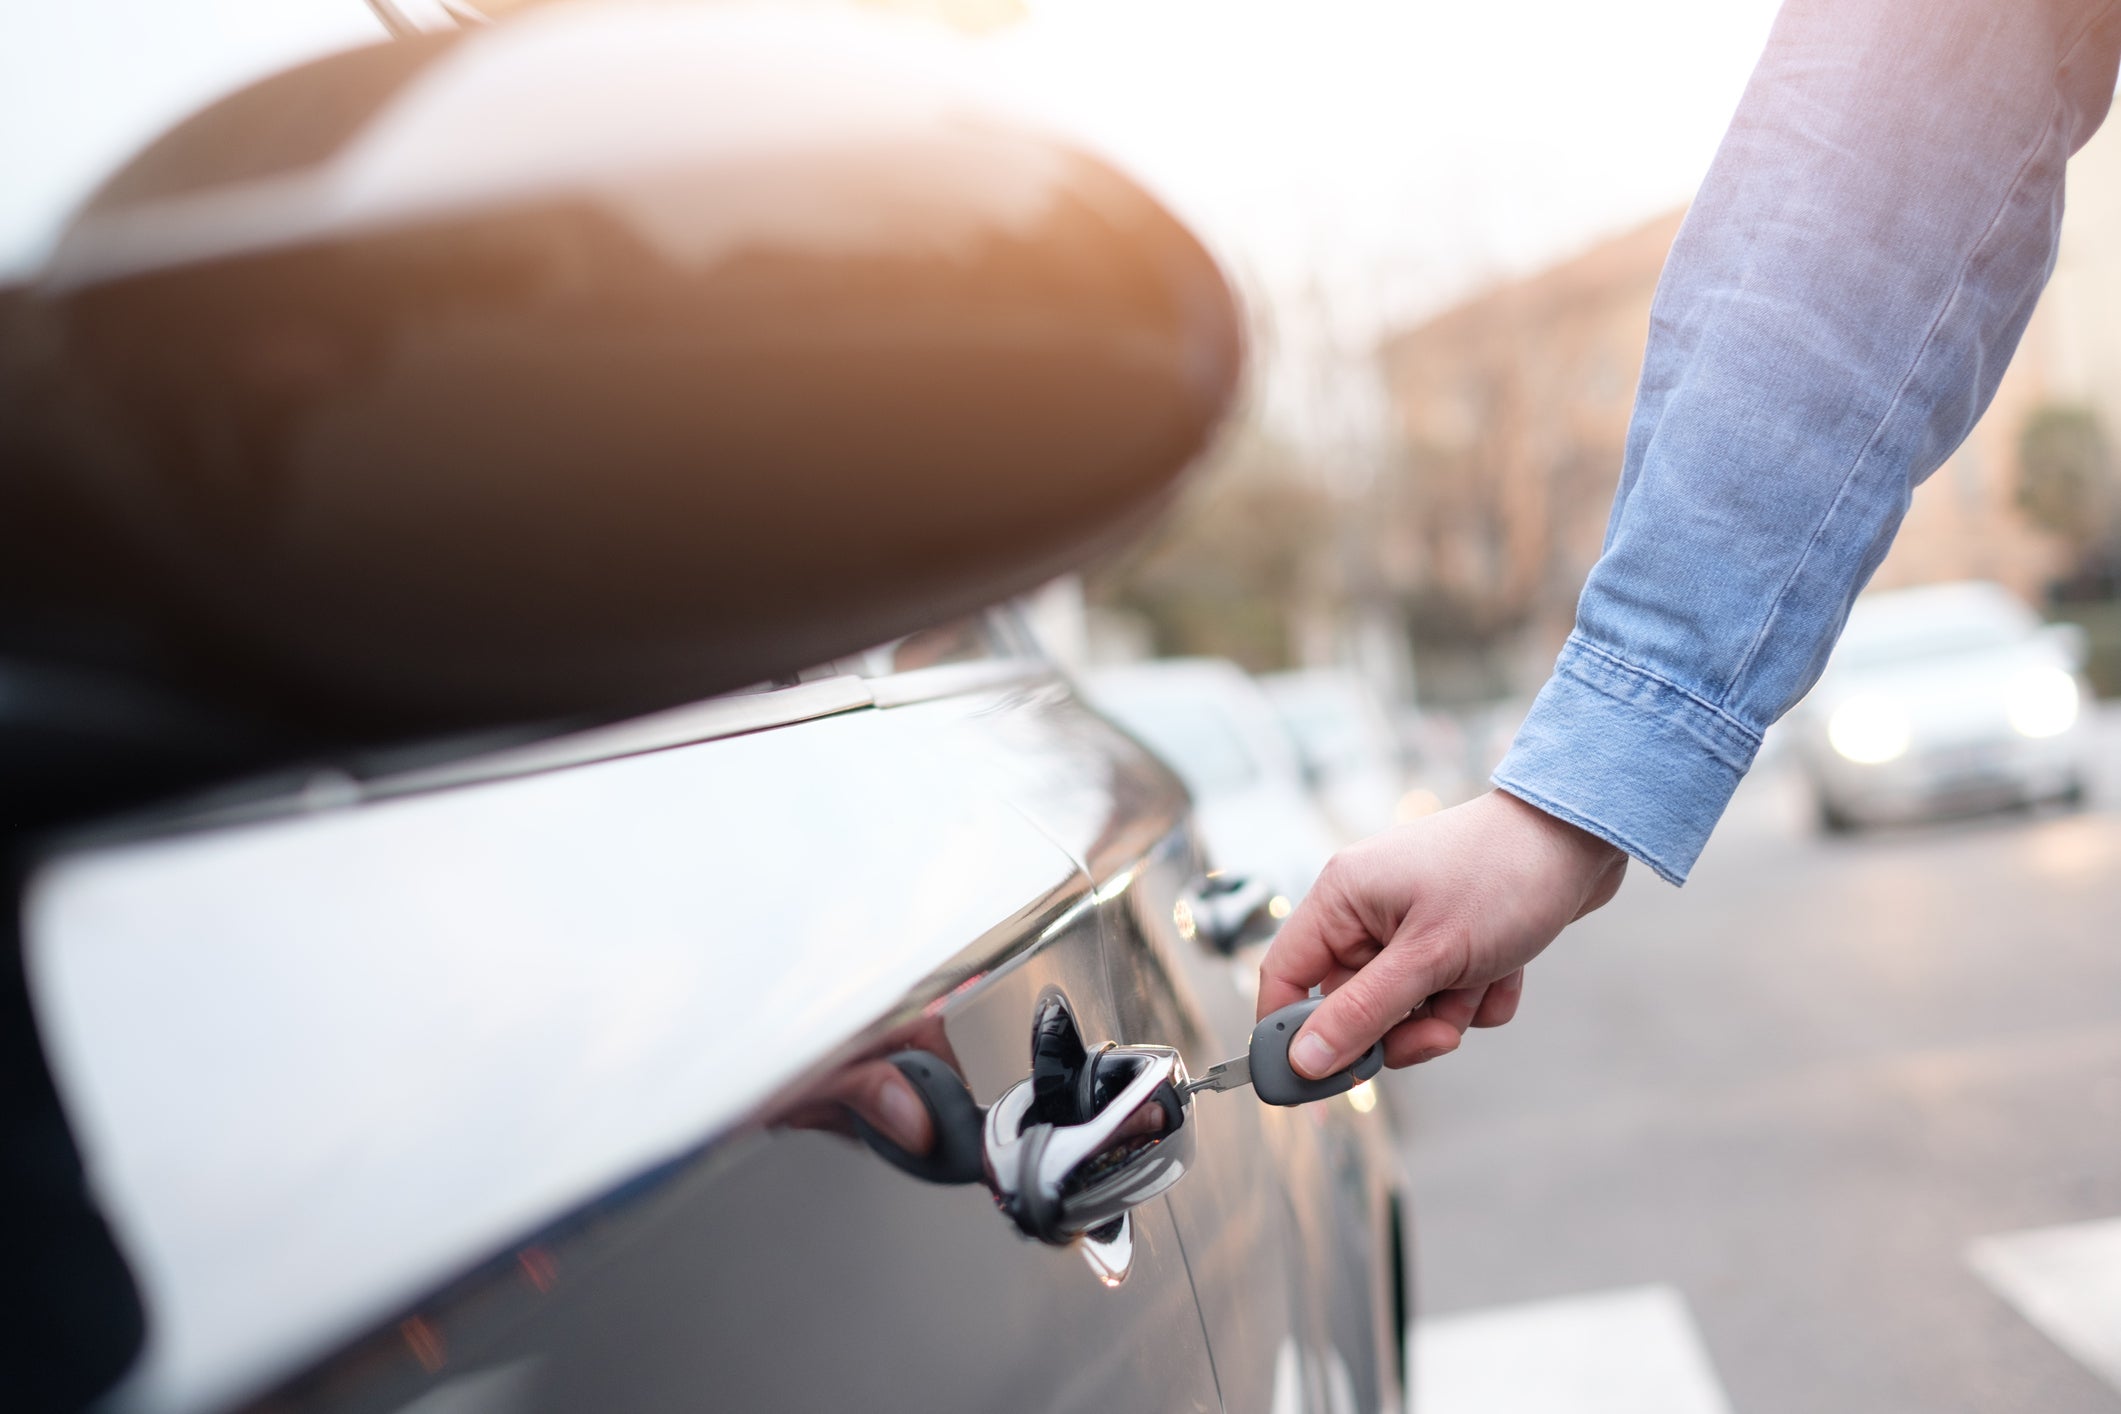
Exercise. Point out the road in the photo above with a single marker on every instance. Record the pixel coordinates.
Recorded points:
(1787, 1102)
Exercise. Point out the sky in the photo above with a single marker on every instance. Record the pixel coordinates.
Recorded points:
(1413, 147)
(1357, 163)
(1400, 152)
(86, 83)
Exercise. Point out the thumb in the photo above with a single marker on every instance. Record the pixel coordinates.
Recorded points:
(1374, 1000)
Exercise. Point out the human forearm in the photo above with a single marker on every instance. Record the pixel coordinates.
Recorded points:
(1851, 281)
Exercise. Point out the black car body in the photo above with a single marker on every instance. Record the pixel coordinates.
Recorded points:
(521, 1078)
(423, 1013)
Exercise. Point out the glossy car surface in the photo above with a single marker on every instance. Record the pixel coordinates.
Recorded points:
(523, 1080)
(1941, 699)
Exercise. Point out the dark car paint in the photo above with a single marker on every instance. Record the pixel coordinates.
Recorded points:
(789, 1268)
(777, 1263)
(285, 494)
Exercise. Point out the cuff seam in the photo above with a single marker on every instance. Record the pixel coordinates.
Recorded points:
(1734, 743)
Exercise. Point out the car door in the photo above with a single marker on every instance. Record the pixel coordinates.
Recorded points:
(511, 1085)
(1287, 1217)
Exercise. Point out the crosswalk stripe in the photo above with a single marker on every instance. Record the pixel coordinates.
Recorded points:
(1631, 1351)
(2067, 1282)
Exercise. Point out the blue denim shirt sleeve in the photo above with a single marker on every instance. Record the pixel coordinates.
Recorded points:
(1834, 316)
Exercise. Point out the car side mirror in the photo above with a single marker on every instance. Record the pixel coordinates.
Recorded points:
(594, 361)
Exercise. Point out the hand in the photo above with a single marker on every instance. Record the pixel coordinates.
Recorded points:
(873, 1088)
(1422, 931)
(885, 1100)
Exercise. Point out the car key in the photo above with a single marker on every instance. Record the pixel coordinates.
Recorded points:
(1265, 1064)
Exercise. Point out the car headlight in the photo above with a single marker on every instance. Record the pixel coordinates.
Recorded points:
(2042, 702)
(1868, 730)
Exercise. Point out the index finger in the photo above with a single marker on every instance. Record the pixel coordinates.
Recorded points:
(1321, 938)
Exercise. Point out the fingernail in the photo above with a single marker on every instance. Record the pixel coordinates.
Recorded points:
(1311, 1057)
(901, 1112)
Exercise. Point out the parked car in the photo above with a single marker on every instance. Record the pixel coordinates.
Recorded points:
(1941, 699)
(1353, 758)
(493, 933)
(533, 1077)
(1216, 728)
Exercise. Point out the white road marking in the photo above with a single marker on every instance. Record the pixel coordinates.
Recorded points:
(2067, 1282)
(1632, 1351)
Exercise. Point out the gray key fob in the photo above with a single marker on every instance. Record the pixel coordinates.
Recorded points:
(1272, 1079)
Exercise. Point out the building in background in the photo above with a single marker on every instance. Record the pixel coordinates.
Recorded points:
(1512, 414)
(1477, 513)
(2084, 298)
(1513, 409)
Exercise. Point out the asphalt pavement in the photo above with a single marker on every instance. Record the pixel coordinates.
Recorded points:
(1833, 1130)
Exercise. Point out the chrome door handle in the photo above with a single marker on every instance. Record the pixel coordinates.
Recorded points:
(1059, 1181)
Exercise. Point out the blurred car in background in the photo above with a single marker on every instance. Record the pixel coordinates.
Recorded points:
(1215, 727)
(1943, 699)
(1353, 759)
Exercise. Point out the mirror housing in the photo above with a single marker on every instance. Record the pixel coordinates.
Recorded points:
(595, 361)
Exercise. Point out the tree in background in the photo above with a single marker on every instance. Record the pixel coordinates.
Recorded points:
(1231, 569)
(2066, 487)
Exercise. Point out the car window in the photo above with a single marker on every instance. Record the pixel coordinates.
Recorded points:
(86, 84)
(994, 635)
(968, 640)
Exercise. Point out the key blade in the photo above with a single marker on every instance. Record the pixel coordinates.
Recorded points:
(1227, 1076)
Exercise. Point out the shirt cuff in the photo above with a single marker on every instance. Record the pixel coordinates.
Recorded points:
(1635, 759)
